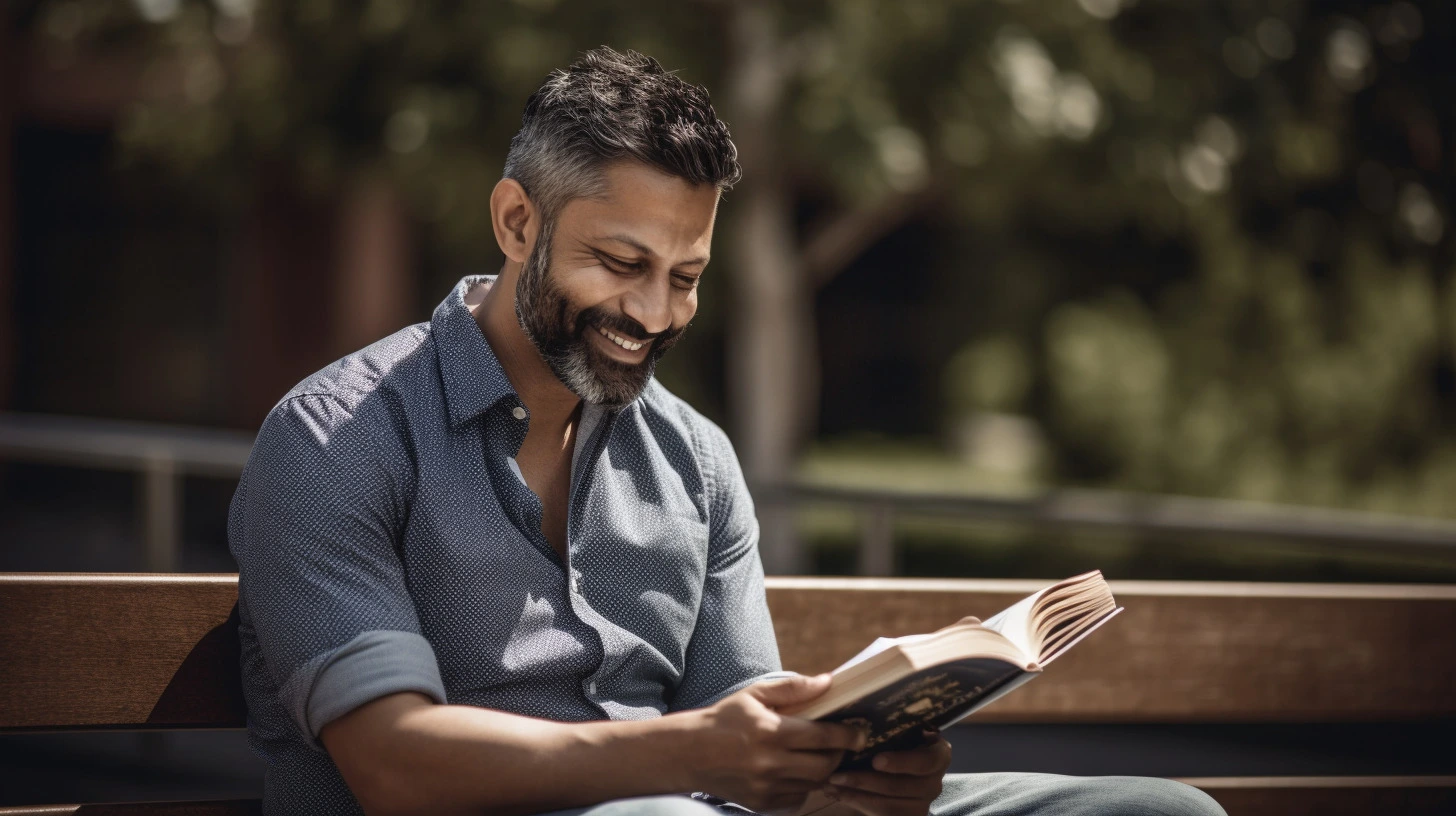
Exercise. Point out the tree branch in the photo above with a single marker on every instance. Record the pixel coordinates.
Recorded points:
(836, 243)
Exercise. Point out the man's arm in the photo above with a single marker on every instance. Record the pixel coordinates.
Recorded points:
(405, 754)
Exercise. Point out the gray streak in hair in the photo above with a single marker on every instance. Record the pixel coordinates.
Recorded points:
(609, 106)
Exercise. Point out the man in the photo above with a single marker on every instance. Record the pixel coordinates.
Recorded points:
(487, 564)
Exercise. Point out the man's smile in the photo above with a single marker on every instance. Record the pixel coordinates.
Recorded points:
(623, 348)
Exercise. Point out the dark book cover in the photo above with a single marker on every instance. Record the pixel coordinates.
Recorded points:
(898, 714)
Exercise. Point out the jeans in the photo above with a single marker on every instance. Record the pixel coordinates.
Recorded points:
(992, 794)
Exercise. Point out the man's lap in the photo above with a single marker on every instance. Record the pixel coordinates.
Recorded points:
(1015, 794)
(993, 794)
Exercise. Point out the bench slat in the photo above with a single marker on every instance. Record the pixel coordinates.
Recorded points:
(96, 651)
(102, 650)
(1332, 796)
(1181, 652)
(233, 807)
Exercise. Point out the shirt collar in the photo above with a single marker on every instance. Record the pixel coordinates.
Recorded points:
(474, 379)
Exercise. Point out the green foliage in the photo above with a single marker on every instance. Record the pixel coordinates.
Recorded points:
(1209, 241)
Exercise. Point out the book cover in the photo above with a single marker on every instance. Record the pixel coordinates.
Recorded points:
(897, 715)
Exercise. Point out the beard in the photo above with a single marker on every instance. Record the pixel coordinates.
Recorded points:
(558, 331)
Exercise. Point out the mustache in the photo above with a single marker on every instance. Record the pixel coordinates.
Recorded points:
(618, 323)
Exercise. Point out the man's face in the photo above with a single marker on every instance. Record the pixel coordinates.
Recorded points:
(612, 282)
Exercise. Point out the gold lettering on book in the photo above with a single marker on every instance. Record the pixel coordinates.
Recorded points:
(922, 687)
(916, 704)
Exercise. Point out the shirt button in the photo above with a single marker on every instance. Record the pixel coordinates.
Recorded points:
(518, 412)
(575, 584)
(591, 688)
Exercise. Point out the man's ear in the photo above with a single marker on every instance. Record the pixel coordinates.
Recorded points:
(515, 219)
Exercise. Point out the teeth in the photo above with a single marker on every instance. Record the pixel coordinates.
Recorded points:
(621, 341)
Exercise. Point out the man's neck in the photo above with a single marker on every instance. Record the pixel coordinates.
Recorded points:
(552, 405)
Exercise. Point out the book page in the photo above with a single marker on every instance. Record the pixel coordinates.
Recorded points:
(1019, 623)
(1059, 650)
(1014, 623)
(878, 646)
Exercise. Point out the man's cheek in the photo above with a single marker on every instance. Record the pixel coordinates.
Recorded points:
(683, 314)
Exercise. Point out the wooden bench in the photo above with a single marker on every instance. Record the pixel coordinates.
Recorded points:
(90, 651)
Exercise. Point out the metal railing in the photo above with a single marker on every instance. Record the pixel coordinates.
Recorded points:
(1093, 510)
(161, 455)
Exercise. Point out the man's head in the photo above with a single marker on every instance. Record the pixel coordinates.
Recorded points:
(620, 164)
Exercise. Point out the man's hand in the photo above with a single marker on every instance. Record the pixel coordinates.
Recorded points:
(752, 755)
(903, 783)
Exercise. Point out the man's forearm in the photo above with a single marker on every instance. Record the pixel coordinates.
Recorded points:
(404, 754)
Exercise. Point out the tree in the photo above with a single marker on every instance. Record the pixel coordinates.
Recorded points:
(1209, 238)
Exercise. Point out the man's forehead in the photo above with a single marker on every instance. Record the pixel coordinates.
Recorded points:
(646, 209)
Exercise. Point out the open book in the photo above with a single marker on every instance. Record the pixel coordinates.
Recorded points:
(897, 687)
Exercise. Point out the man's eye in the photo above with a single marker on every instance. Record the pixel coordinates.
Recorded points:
(620, 265)
(686, 281)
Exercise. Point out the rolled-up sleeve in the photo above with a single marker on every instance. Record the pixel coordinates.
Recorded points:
(733, 644)
(321, 586)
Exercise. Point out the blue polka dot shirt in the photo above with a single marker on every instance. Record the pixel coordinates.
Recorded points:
(385, 542)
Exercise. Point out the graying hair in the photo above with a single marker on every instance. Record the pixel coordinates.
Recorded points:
(608, 106)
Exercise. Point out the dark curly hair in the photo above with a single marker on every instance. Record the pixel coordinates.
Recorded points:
(608, 106)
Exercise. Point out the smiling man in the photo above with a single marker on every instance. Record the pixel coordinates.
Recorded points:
(489, 565)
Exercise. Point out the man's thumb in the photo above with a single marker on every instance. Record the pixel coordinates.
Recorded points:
(790, 691)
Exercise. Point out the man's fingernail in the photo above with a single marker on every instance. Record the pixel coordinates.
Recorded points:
(881, 762)
(861, 739)
(839, 779)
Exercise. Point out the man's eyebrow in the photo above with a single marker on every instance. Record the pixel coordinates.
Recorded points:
(646, 250)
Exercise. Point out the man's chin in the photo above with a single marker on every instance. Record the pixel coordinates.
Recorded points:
(616, 384)
(614, 393)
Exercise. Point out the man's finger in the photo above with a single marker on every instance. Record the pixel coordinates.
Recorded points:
(811, 767)
(790, 691)
(807, 735)
(932, 759)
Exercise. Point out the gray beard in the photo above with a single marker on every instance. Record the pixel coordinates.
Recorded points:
(559, 336)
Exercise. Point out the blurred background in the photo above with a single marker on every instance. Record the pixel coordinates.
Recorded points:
(982, 248)
(1011, 288)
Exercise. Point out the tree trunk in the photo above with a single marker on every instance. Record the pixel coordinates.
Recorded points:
(373, 280)
(773, 380)
(279, 296)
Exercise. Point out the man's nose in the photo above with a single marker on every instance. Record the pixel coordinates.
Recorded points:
(650, 303)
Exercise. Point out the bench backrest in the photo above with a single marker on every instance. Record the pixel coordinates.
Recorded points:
(160, 651)
(130, 651)
(1181, 652)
